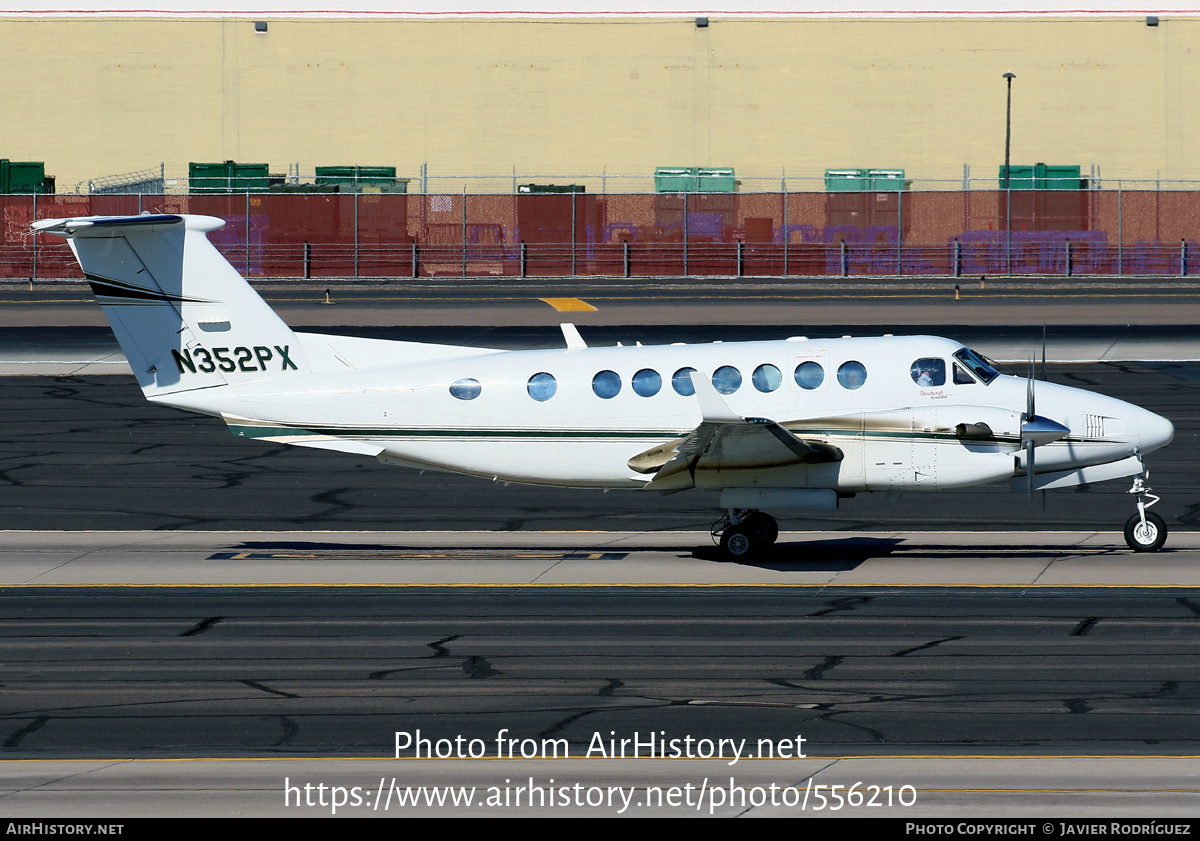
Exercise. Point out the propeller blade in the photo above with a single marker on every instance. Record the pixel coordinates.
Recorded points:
(1030, 406)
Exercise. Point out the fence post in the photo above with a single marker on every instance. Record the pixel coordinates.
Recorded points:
(1067, 261)
(626, 250)
(247, 233)
(685, 234)
(464, 232)
(356, 223)
(574, 198)
(1007, 224)
(307, 260)
(899, 232)
(785, 230)
(845, 264)
(1183, 258)
(958, 256)
(739, 258)
(1120, 233)
(524, 258)
(35, 243)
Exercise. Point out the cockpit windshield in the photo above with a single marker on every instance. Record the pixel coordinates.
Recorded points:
(977, 365)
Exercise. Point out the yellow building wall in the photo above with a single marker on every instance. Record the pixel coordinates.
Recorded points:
(575, 97)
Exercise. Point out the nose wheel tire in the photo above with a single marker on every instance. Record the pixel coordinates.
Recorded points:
(1148, 536)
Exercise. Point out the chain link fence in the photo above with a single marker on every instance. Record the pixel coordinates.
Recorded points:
(771, 234)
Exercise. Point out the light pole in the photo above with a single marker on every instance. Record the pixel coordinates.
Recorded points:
(1008, 77)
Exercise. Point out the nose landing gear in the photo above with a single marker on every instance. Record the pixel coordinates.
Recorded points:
(1145, 532)
(744, 533)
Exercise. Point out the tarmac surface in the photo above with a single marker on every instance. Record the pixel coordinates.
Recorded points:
(175, 599)
(987, 701)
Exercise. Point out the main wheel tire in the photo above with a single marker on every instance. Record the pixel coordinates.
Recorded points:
(1146, 538)
(737, 543)
(762, 528)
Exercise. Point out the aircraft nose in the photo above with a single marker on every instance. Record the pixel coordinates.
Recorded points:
(1154, 431)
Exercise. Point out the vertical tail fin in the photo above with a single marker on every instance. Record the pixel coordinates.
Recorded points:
(183, 316)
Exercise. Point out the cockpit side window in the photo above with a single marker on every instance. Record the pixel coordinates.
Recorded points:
(929, 371)
(977, 365)
(961, 377)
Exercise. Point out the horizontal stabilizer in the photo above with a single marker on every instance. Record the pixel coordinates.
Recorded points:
(297, 436)
(107, 226)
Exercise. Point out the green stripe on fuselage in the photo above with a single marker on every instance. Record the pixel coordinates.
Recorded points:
(264, 431)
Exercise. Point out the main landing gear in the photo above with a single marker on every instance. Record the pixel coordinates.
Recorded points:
(744, 532)
(1145, 532)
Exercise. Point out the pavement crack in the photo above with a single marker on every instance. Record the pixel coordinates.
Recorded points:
(438, 646)
(571, 719)
(1077, 705)
(201, 627)
(382, 674)
(798, 784)
(55, 781)
(336, 507)
(1167, 687)
(32, 727)
(1085, 626)
(561, 724)
(848, 603)
(613, 684)
(478, 667)
(255, 685)
(818, 671)
(930, 644)
(1194, 608)
(835, 718)
(290, 730)
(786, 684)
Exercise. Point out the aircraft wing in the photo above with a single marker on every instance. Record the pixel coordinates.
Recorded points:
(726, 441)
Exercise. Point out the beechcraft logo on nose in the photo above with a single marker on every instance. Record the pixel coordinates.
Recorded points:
(257, 358)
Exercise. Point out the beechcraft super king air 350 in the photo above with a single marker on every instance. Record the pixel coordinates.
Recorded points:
(773, 425)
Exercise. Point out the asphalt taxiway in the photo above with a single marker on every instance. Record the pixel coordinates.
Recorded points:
(174, 602)
(1035, 699)
(826, 561)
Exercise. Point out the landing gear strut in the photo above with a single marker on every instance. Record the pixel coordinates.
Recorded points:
(743, 532)
(1145, 532)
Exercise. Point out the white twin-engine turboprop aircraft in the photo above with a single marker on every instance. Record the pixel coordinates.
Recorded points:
(775, 425)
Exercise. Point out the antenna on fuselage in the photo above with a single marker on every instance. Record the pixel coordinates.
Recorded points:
(1043, 350)
(1030, 414)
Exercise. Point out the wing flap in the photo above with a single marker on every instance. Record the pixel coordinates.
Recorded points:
(747, 443)
(725, 440)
